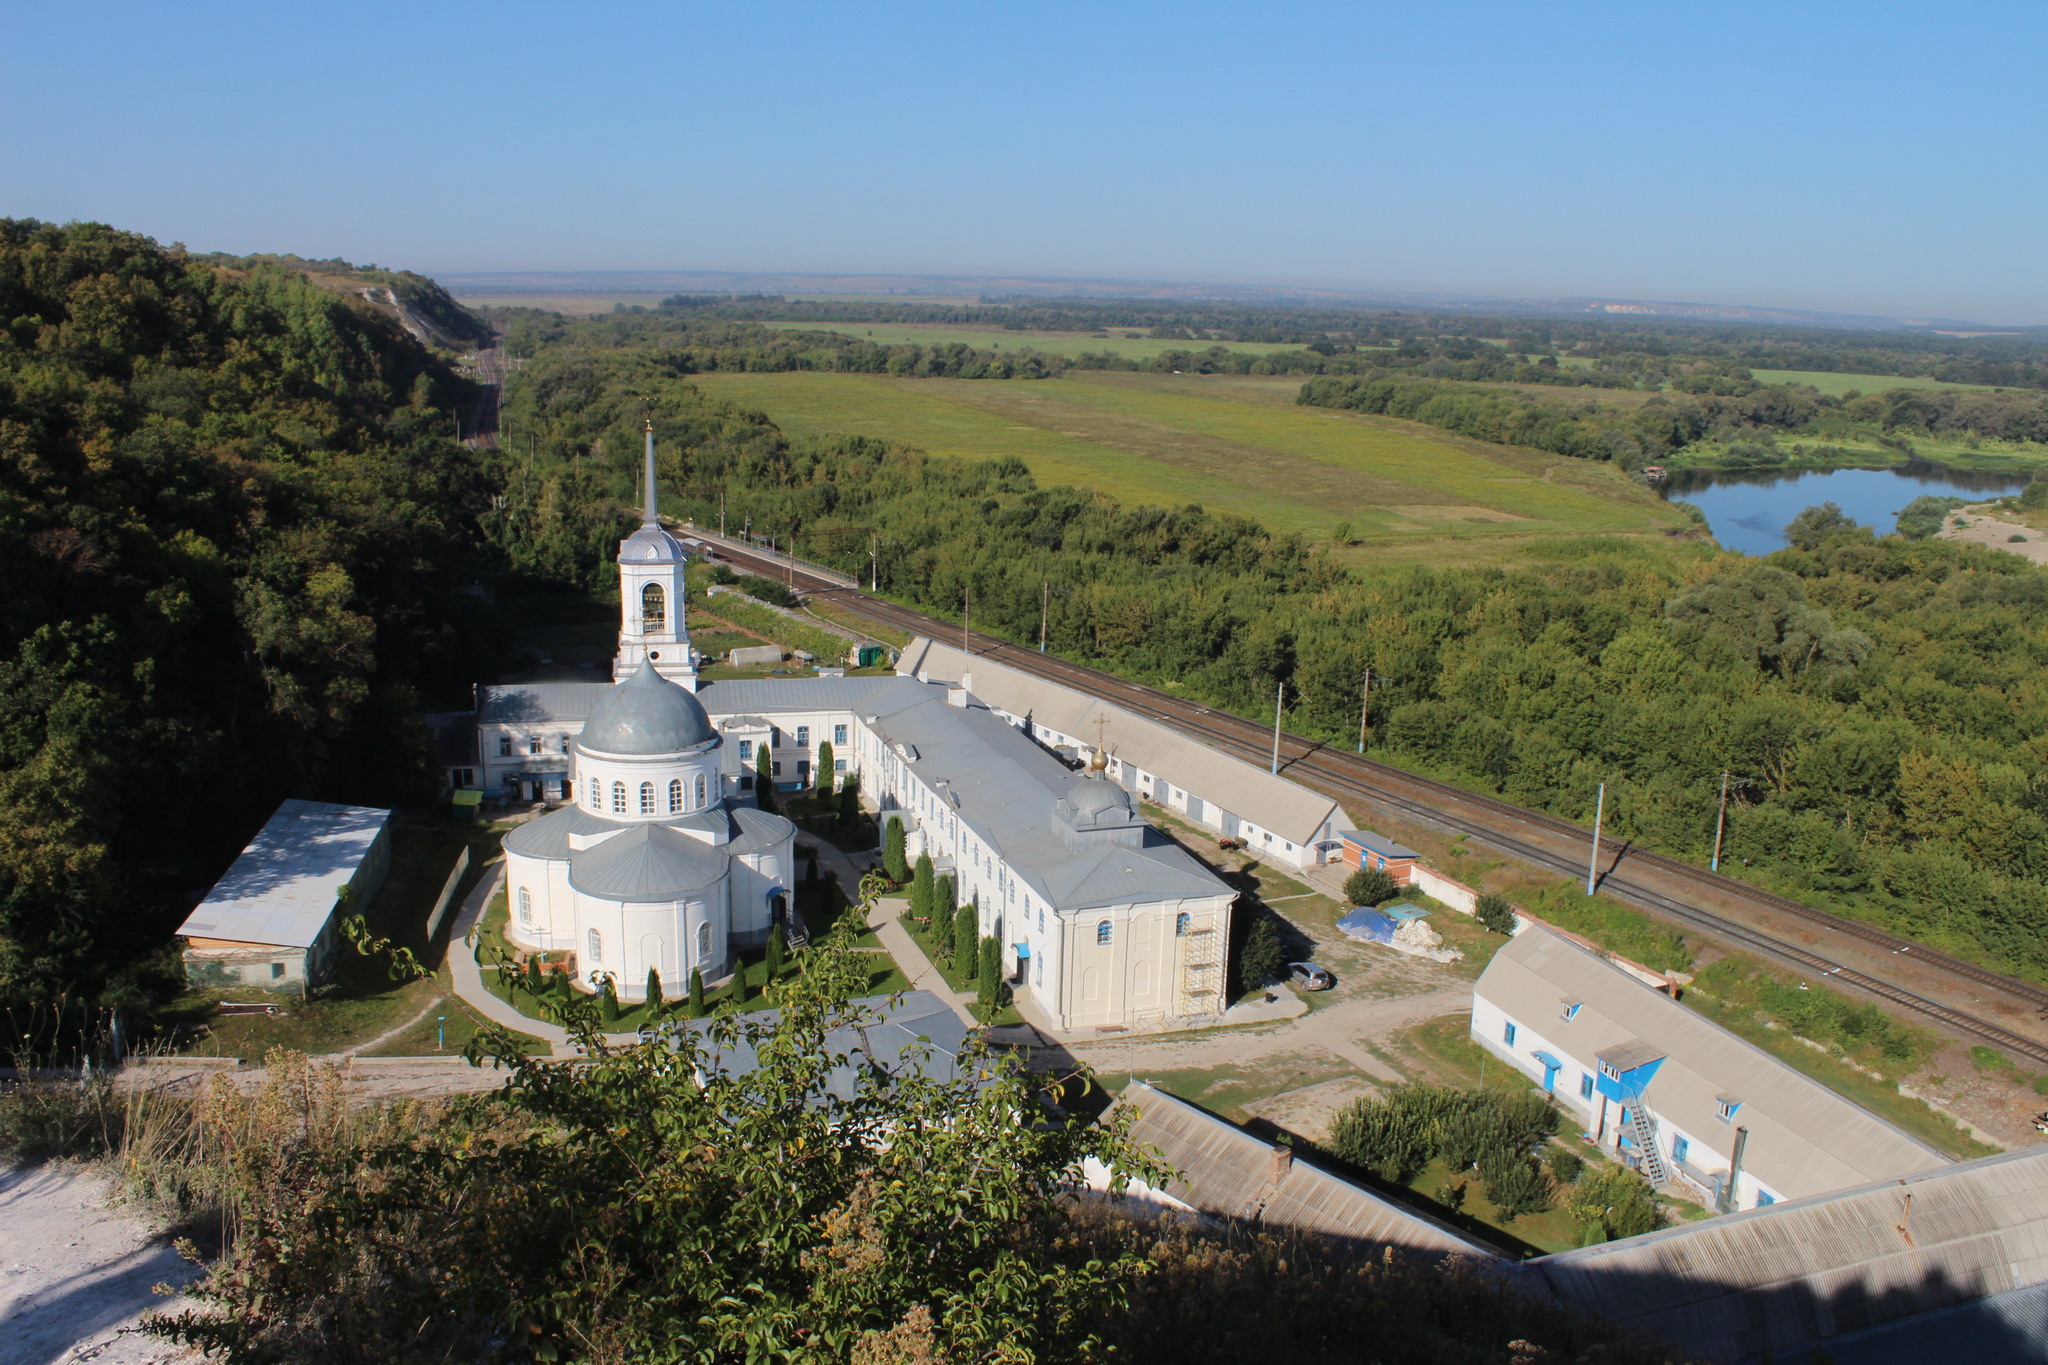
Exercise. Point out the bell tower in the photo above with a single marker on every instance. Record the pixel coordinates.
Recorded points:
(651, 564)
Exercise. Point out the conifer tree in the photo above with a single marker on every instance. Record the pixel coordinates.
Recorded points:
(811, 866)
(774, 953)
(921, 888)
(894, 844)
(696, 993)
(608, 1001)
(825, 761)
(945, 909)
(988, 988)
(764, 777)
(849, 801)
(653, 992)
(966, 934)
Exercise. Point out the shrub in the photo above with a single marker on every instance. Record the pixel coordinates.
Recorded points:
(775, 950)
(608, 1001)
(1370, 886)
(849, 801)
(1565, 1165)
(653, 992)
(1988, 1058)
(826, 759)
(696, 993)
(1616, 1201)
(1397, 1134)
(1495, 913)
(1514, 1184)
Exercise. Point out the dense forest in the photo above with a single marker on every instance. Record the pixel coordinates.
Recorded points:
(231, 522)
(1880, 703)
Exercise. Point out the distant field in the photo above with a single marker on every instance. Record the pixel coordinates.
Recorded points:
(575, 305)
(1838, 384)
(1068, 344)
(1231, 443)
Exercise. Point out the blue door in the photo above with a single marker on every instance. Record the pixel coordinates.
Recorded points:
(1551, 1066)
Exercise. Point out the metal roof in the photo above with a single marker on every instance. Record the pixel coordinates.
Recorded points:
(1787, 1278)
(1223, 1170)
(753, 697)
(912, 1033)
(646, 714)
(538, 703)
(281, 890)
(1274, 803)
(647, 862)
(1378, 843)
(1004, 787)
(1803, 1137)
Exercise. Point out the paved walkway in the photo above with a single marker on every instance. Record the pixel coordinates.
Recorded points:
(912, 960)
(469, 977)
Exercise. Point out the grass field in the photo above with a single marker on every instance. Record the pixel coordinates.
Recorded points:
(1839, 384)
(1069, 344)
(1230, 443)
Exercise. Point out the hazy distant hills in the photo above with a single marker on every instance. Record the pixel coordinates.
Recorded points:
(655, 284)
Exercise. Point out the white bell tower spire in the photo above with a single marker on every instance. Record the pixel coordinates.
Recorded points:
(651, 564)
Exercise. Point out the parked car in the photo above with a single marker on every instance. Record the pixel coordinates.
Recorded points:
(1308, 976)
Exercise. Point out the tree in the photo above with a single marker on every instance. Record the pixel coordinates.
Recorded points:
(894, 844)
(696, 993)
(1371, 886)
(653, 992)
(764, 776)
(1261, 959)
(966, 935)
(945, 910)
(774, 957)
(825, 774)
(1493, 911)
(988, 986)
(922, 888)
(849, 801)
(811, 866)
(608, 999)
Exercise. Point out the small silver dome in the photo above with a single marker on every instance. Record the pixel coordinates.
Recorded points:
(646, 715)
(650, 545)
(1094, 802)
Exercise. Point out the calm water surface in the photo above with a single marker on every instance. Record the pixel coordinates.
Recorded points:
(1748, 511)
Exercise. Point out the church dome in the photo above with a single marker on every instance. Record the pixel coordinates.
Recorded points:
(1094, 801)
(650, 545)
(646, 715)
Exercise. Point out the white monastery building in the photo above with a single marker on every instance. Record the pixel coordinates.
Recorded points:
(659, 859)
(1671, 1092)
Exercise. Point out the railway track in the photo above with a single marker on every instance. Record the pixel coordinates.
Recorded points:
(1528, 836)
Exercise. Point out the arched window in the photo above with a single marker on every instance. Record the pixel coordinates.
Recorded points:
(596, 946)
(618, 798)
(653, 608)
(1102, 932)
(647, 798)
(1180, 924)
(525, 906)
(597, 796)
(701, 801)
(703, 944)
(675, 795)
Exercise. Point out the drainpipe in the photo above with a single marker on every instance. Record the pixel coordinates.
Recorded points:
(1728, 1196)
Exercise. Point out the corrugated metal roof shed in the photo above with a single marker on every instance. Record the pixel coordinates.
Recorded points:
(1785, 1279)
(1286, 808)
(915, 1032)
(281, 890)
(1224, 1170)
(1803, 1137)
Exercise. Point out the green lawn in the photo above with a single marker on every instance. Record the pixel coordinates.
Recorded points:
(1829, 382)
(1069, 344)
(1237, 443)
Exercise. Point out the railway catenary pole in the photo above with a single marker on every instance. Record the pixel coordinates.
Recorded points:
(1720, 823)
(1593, 863)
(1279, 696)
(1044, 610)
(1364, 706)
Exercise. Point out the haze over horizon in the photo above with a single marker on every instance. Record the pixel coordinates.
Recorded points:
(1872, 159)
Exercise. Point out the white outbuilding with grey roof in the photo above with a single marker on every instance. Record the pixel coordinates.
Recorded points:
(270, 920)
(1672, 1092)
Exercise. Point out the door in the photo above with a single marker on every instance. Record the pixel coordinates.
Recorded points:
(1549, 1079)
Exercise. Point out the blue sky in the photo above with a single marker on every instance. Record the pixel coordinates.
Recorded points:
(1856, 157)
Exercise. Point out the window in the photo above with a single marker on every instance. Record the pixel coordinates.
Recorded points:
(838, 765)
(618, 798)
(647, 798)
(839, 734)
(1612, 1073)
(1180, 924)
(746, 782)
(597, 796)
(1679, 1147)
(701, 801)
(1586, 1086)
(595, 946)
(803, 736)
(1041, 919)
(1764, 1198)
(1571, 1009)
(276, 970)
(653, 608)
(703, 944)
(1724, 1108)
(775, 768)
(675, 795)
(1102, 932)
(525, 906)
(561, 744)
(533, 744)
(746, 750)
(504, 746)
(1507, 1035)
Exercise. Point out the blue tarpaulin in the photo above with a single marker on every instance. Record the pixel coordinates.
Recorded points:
(1368, 924)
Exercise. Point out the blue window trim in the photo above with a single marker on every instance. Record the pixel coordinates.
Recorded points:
(1507, 1033)
(1585, 1085)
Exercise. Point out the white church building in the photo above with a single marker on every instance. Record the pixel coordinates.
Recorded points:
(658, 859)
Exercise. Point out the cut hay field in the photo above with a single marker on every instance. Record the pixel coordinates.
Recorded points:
(1230, 443)
(1836, 385)
(1069, 344)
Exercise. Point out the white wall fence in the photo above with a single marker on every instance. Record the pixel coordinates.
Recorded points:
(447, 898)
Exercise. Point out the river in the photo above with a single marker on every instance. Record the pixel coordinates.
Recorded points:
(1748, 510)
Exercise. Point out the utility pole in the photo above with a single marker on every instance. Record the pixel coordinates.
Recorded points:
(966, 608)
(1044, 607)
(1593, 863)
(1279, 696)
(874, 562)
(1364, 707)
(1720, 823)
(721, 515)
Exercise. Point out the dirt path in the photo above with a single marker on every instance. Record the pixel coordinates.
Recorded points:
(1971, 525)
(77, 1276)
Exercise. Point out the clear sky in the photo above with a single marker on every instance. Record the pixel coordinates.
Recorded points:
(1858, 157)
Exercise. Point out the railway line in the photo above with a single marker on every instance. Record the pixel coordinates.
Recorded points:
(1531, 837)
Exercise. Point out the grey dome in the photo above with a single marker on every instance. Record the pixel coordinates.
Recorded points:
(1097, 802)
(646, 715)
(650, 545)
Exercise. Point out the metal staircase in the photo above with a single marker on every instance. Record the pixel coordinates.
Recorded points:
(1643, 1130)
